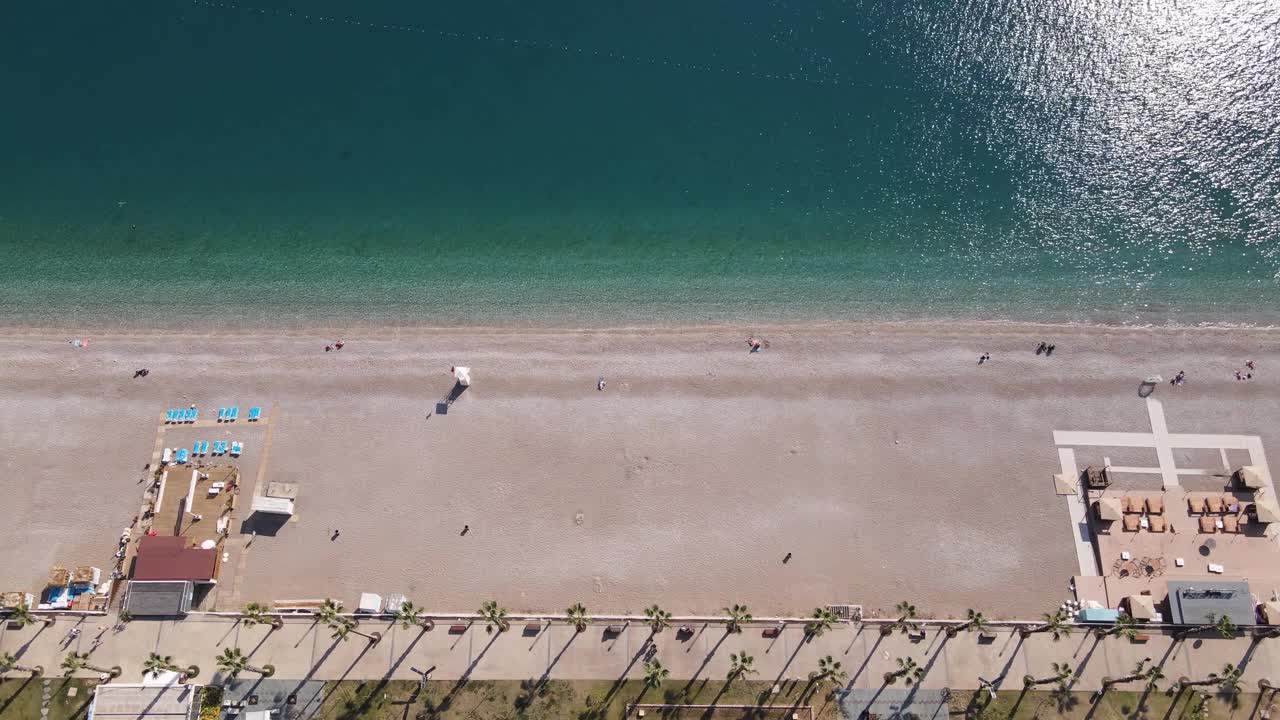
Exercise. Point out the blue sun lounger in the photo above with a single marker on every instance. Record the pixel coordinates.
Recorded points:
(254, 414)
(192, 414)
(188, 415)
(222, 414)
(220, 447)
(236, 448)
(233, 413)
(204, 447)
(168, 416)
(180, 456)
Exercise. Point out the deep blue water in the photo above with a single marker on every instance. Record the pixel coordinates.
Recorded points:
(204, 164)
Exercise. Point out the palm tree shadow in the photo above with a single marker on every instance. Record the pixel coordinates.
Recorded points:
(787, 664)
(865, 661)
(465, 677)
(312, 671)
(1097, 639)
(386, 677)
(622, 679)
(23, 647)
(230, 630)
(854, 641)
(334, 684)
(16, 693)
(705, 661)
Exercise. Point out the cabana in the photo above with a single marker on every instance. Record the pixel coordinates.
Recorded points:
(1108, 508)
(1142, 607)
(1250, 476)
(272, 505)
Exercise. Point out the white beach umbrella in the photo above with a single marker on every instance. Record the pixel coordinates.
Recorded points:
(462, 375)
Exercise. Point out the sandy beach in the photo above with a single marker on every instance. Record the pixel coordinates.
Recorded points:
(882, 457)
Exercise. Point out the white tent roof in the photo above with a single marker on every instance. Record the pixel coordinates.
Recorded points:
(1109, 509)
(273, 505)
(462, 375)
(1251, 476)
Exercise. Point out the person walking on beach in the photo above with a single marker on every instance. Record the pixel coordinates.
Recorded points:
(336, 533)
(600, 384)
(1041, 348)
(465, 529)
(786, 559)
(984, 357)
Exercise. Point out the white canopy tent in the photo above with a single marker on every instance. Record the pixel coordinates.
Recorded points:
(272, 505)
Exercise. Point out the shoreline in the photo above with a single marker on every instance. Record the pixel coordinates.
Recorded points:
(945, 326)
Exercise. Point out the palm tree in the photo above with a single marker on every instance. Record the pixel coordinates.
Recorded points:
(21, 615)
(974, 620)
(256, 614)
(80, 661)
(9, 662)
(654, 674)
(1228, 681)
(1054, 623)
(1221, 625)
(1125, 627)
(657, 618)
(577, 617)
(830, 670)
(156, 664)
(495, 616)
(739, 665)
(346, 627)
(905, 622)
(124, 617)
(823, 620)
(908, 670)
(409, 615)
(233, 662)
(738, 616)
(1061, 673)
(329, 612)
(1140, 672)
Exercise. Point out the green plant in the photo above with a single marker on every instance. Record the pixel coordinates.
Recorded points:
(654, 674)
(80, 661)
(829, 670)
(740, 664)
(577, 616)
(1061, 673)
(974, 620)
(738, 616)
(905, 623)
(495, 616)
(232, 661)
(256, 614)
(657, 618)
(1125, 627)
(908, 670)
(823, 620)
(8, 662)
(1054, 623)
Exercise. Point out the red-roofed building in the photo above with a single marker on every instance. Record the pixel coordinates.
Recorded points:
(165, 557)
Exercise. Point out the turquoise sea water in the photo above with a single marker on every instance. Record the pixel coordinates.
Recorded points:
(209, 165)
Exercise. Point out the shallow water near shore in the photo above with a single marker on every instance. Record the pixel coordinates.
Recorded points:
(213, 165)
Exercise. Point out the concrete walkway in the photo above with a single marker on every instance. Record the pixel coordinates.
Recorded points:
(303, 650)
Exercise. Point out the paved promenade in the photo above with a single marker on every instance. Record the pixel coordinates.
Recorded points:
(303, 649)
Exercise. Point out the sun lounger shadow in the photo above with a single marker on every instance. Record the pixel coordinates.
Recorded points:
(442, 407)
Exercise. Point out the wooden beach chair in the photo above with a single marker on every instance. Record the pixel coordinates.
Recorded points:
(1156, 522)
(1215, 504)
(1195, 505)
(1155, 505)
(1230, 504)
(1131, 504)
(1131, 523)
(1230, 524)
(1207, 524)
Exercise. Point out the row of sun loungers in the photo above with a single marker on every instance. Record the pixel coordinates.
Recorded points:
(178, 416)
(1213, 505)
(220, 447)
(1225, 523)
(1134, 523)
(1151, 505)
